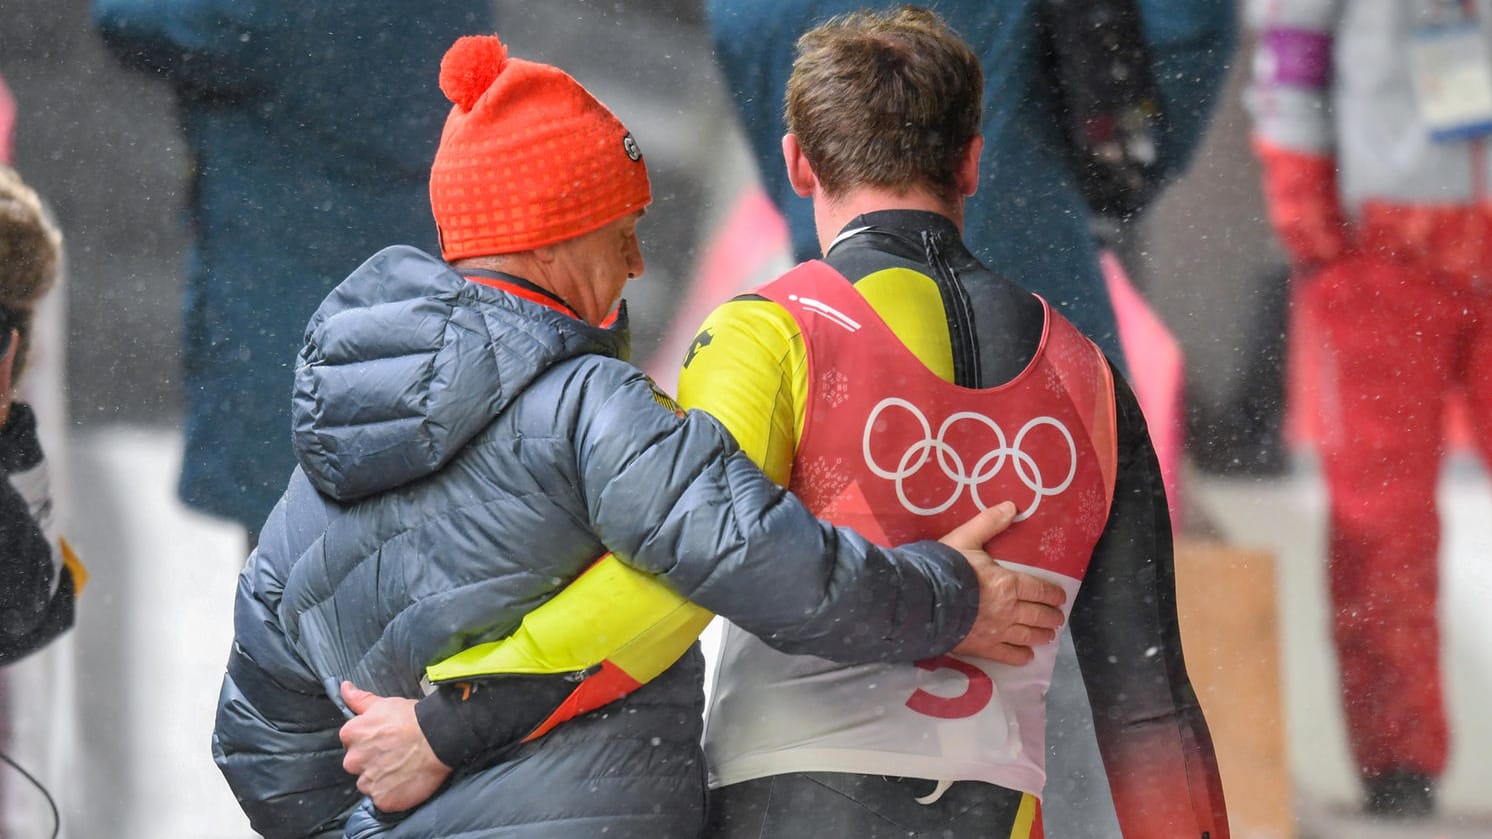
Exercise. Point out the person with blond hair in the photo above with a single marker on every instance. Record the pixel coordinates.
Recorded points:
(40, 577)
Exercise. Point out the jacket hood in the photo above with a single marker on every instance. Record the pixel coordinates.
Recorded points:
(406, 360)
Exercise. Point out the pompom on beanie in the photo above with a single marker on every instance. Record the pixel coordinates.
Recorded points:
(528, 156)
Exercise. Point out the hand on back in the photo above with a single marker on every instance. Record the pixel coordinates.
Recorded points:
(1017, 611)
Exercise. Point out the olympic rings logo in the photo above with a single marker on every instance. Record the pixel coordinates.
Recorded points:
(952, 463)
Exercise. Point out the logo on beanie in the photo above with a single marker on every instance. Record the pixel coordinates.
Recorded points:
(629, 145)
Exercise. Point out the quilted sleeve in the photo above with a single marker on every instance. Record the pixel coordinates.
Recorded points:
(673, 496)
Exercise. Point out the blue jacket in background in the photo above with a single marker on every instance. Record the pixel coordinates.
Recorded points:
(311, 127)
(1028, 220)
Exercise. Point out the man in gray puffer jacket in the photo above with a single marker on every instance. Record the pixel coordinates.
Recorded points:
(471, 440)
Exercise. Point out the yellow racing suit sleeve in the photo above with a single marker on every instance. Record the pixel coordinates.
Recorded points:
(747, 368)
(619, 626)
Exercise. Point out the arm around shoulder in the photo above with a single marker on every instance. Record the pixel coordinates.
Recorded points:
(673, 496)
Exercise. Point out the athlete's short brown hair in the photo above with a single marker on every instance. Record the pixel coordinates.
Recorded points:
(887, 99)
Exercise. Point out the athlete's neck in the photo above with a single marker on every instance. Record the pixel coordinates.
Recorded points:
(832, 214)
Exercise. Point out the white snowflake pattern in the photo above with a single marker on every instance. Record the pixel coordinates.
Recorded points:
(825, 478)
(1091, 511)
(1052, 380)
(1054, 542)
(836, 387)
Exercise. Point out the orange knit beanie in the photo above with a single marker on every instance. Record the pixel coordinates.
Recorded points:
(528, 156)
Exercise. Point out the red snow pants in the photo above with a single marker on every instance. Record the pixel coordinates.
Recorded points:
(1395, 338)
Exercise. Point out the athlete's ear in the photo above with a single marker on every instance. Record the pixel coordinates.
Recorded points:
(799, 170)
(967, 176)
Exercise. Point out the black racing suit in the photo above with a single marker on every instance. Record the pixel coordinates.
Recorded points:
(36, 591)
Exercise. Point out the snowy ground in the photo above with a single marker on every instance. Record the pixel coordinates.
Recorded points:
(1286, 517)
(116, 719)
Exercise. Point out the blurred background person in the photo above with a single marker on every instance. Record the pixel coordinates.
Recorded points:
(1371, 121)
(1030, 219)
(40, 576)
(311, 127)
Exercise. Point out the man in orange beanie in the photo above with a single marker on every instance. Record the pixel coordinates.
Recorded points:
(471, 445)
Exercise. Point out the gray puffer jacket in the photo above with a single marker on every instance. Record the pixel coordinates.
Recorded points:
(464, 454)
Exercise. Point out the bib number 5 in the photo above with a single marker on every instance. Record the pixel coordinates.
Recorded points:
(979, 689)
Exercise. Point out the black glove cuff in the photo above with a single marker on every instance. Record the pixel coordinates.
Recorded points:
(19, 447)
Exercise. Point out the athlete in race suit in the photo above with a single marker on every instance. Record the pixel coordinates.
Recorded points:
(894, 387)
(895, 401)
(898, 383)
